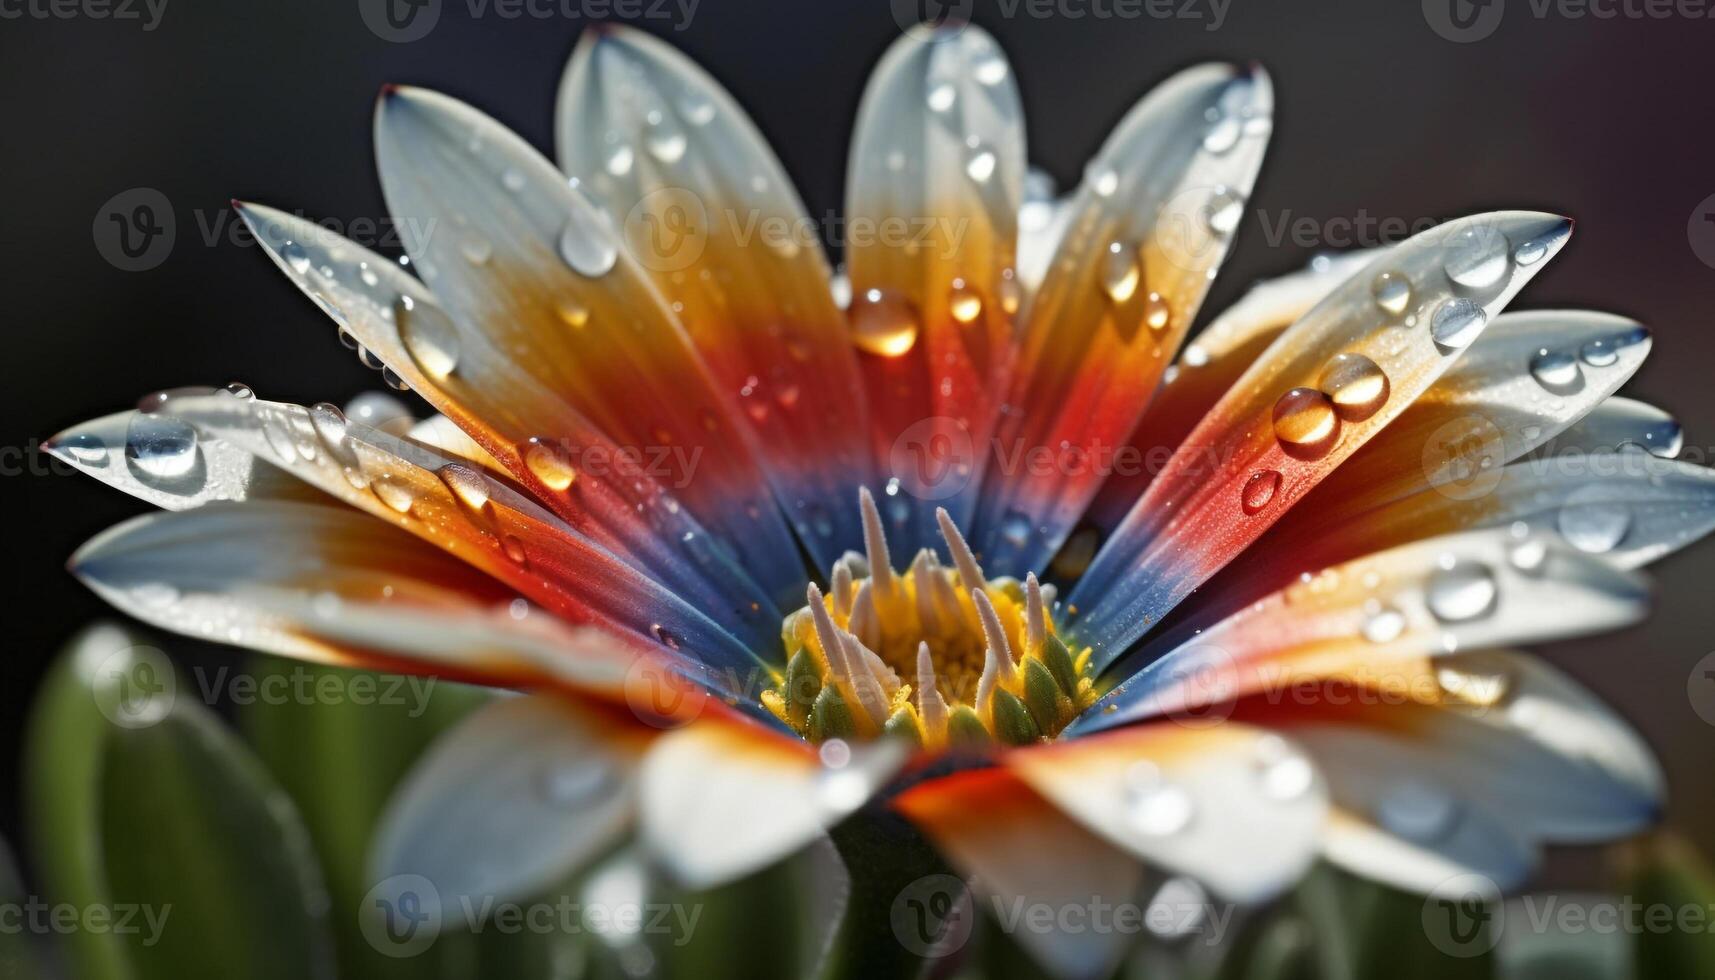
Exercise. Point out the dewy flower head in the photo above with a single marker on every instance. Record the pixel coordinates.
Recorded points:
(1287, 642)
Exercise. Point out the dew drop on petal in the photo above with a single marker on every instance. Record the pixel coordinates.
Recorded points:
(574, 782)
(1417, 811)
(1120, 272)
(883, 323)
(1556, 371)
(86, 448)
(296, 258)
(1284, 772)
(469, 486)
(1305, 423)
(1593, 526)
(390, 491)
(513, 548)
(965, 303)
(942, 96)
(428, 335)
(1156, 314)
(1476, 258)
(160, 446)
(1015, 528)
(1456, 323)
(588, 248)
(1103, 179)
(980, 165)
(548, 464)
(375, 408)
(1392, 292)
(1460, 591)
(1225, 209)
(1259, 490)
(572, 313)
(1665, 438)
(1600, 352)
(1155, 806)
(476, 251)
(1383, 624)
(1356, 385)
(1530, 253)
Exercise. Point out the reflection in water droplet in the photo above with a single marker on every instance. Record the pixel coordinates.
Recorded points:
(1593, 526)
(1103, 180)
(1600, 352)
(1459, 591)
(1120, 272)
(513, 548)
(1357, 386)
(1456, 323)
(588, 248)
(980, 165)
(86, 448)
(1224, 211)
(1015, 528)
(965, 303)
(1155, 807)
(1305, 423)
(883, 323)
(1555, 370)
(1476, 258)
(392, 492)
(428, 335)
(160, 446)
(296, 258)
(469, 486)
(1665, 438)
(941, 97)
(1530, 253)
(1259, 490)
(1392, 292)
(546, 462)
(666, 143)
(1155, 312)
(1383, 624)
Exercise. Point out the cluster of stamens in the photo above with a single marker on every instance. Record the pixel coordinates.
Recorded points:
(942, 656)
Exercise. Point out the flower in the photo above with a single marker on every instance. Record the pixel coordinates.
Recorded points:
(659, 410)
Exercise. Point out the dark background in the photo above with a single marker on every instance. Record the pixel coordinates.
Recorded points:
(1606, 120)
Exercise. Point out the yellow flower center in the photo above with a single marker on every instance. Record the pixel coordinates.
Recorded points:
(942, 656)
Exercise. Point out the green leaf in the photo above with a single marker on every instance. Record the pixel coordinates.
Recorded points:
(1670, 873)
(95, 679)
(18, 959)
(339, 741)
(199, 838)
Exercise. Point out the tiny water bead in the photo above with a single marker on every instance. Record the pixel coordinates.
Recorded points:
(1602, 352)
(964, 302)
(883, 323)
(1392, 292)
(1556, 371)
(1460, 591)
(1382, 624)
(1529, 253)
(1226, 208)
(1156, 314)
(1356, 385)
(429, 336)
(160, 446)
(548, 464)
(1259, 490)
(1456, 323)
(1305, 423)
(1477, 258)
(1120, 272)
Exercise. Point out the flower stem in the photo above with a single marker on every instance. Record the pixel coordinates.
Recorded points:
(883, 933)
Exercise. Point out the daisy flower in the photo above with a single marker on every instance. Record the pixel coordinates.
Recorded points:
(961, 551)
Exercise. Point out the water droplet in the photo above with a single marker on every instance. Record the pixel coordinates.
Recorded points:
(1417, 811)
(1120, 272)
(1392, 292)
(376, 408)
(86, 448)
(1357, 386)
(1593, 526)
(1224, 134)
(393, 380)
(883, 323)
(1476, 258)
(697, 110)
(329, 423)
(1155, 806)
(1665, 438)
(1383, 624)
(239, 389)
(1223, 212)
(1259, 490)
(469, 486)
(1103, 179)
(392, 492)
(989, 69)
(1528, 556)
(1155, 312)
(1601, 352)
(476, 251)
(1460, 591)
(573, 314)
(1011, 294)
(1456, 323)
(1530, 253)
(1555, 370)
(1015, 528)
(666, 143)
(619, 161)
(296, 258)
(980, 165)
(512, 180)
(965, 303)
(1305, 423)
(575, 782)
(428, 335)
(513, 548)
(1284, 772)
(587, 246)
(547, 463)
(941, 97)
(160, 446)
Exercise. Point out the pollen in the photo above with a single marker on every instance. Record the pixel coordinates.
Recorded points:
(940, 655)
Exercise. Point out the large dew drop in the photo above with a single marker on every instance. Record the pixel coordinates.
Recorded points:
(1556, 371)
(1392, 292)
(1477, 258)
(160, 446)
(883, 323)
(1593, 526)
(1120, 272)
(428, 335)
(1259, 490)
(1356, 385)
(588, 247)
(549, 466)
(1460, 591)
(1156, 807)
(1305, 423)
(1456, 323)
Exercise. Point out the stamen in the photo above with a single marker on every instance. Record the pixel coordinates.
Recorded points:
(931, 707)
(842, 586)
(875, 546)
(922, 572)
(864, 621)
(839, 671)
(998, 642)
(1035, 615)
(970, 573)
(864, 680)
